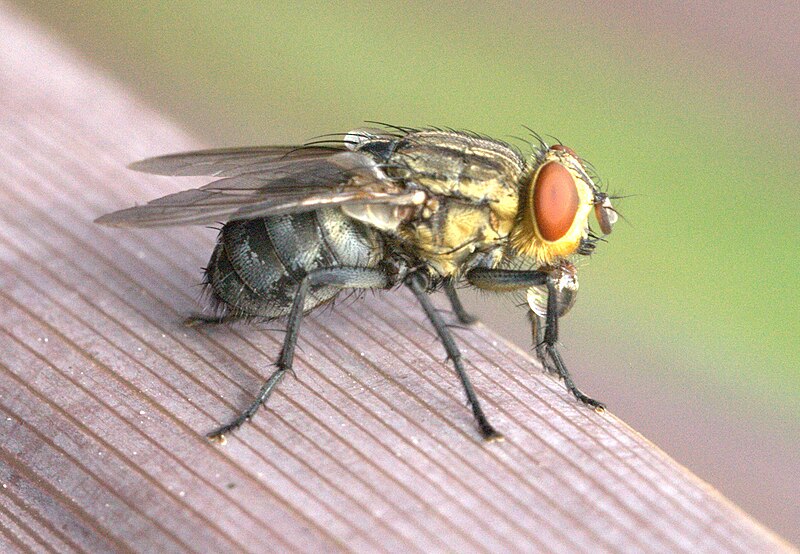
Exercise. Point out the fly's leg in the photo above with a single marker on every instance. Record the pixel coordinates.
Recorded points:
(550, 340)
(506, 280)
(537, 333)
(458, 307)
(418, 286)
(343, 277)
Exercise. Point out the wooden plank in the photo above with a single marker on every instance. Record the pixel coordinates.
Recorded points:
(105, 397)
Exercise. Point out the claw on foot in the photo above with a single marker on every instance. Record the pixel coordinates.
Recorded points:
(488, 433)
(217, 438)
(597, 405)
(494, 436)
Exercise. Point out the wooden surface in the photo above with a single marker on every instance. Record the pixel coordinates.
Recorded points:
(105, 397)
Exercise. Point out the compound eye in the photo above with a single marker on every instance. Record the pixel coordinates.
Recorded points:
(555, 201)
(567, 149)
(606, 216)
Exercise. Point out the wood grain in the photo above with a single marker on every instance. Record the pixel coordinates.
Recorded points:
(105, 397)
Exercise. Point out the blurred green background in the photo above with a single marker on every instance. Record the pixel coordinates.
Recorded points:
(688, 319)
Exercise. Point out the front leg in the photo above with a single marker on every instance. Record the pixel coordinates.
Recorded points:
(550, 340)
(545, 341)
(537, 336)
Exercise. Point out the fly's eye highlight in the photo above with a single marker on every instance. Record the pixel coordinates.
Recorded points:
(606, 215)
(555, 201)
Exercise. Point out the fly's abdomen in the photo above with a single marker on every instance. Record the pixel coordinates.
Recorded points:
(258, 263)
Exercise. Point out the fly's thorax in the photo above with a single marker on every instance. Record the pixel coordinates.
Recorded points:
(556, 198)
(461, 166)
(440, 230)
(447, 233)
(470, 187)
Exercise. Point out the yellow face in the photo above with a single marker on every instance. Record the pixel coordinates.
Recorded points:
(555, 204)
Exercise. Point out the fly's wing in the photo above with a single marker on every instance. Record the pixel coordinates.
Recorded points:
(226, 162)
(259, 182)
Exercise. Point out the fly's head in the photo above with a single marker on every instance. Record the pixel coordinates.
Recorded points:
(557, 197)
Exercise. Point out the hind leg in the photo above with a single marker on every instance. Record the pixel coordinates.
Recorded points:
(343, 277)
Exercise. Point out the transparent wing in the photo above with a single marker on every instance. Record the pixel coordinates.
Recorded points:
(264, 183)
(228, 161)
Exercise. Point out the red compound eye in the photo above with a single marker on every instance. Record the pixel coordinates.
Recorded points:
(567, 149)
(606, 216)
(555, 201)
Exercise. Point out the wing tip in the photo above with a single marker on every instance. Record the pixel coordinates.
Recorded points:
(148, 165)
(143, 217)
(110, 220)
(129, 217)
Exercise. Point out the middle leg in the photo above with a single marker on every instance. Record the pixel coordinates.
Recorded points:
(417, 284)
(462, 314)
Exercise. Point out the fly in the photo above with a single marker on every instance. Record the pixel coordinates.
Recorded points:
(427, 209)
